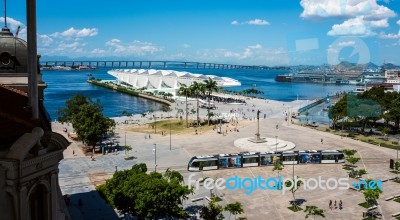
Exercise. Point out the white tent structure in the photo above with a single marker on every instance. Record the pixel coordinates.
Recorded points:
(168, 81)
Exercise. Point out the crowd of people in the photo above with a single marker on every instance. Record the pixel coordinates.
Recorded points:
(219, 99)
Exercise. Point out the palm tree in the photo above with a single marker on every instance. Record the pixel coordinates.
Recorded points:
(197, 89)
(210, 87)
(314, 211)
(234, 208)
(186, 91)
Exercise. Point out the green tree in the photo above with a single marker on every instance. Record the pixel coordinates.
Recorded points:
(371, 195)
(293, 189)
(127, 148)
(362, 172)
(337, 112)
(349, 152)
(234, 208)
(209, 87)
(393, 109)
(278, 165)
(197, 89)
(147, 196)
(353, 160)
(173, 175)
(186, 91)
(212, 211)
(90, 124)
(72, 107)
(314, 211)
(252, 91)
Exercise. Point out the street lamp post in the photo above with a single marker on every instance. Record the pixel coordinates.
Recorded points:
(155, 123)
(170, 136)
(276, 143)
(155, 158)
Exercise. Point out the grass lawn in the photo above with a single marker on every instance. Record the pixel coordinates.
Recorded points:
(177, 127)
(295, 208)
(365, 205)
(397, 200)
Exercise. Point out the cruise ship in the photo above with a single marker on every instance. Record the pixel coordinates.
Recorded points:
(168, 81)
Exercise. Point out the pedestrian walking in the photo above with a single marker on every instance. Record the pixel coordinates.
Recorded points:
(330, 204)
(340, 205)
(335, 205)
(322, 141)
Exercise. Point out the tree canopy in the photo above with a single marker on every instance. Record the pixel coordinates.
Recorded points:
(371, 105)
(87, 119)
(212, 211)
(147, 196)
(314, 211)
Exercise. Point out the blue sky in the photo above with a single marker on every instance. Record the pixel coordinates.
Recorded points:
(258, 32)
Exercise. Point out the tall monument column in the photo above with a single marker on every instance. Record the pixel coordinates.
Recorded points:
(257, 138)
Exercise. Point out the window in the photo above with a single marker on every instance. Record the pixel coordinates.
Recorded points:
(250, 160)
(328, 157)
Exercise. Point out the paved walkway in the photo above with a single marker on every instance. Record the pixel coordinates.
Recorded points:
(78, 174)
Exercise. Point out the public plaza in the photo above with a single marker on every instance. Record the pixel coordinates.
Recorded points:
(79, 174)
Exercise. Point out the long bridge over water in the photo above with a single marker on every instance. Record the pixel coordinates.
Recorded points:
(148, 64)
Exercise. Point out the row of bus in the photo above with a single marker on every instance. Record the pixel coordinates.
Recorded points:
(254, 159)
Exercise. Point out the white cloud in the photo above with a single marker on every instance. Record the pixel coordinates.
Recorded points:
(257, 22)
(98, 51)
(355, 26)
(344, 9)
(118, 48)
(76, 33)
(254, 54)
(379, 23)
(390, 36)
(13, 25)
(73, 45)
(362, 16)
(185, 46)
(257, 46)
(44, 40)
(346, 43)
(398, 22)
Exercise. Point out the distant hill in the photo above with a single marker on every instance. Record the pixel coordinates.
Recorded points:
(390, 66)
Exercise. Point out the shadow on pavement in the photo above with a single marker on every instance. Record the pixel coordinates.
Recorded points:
(90, 205)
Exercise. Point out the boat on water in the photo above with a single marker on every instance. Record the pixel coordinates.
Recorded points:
(284, 78)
